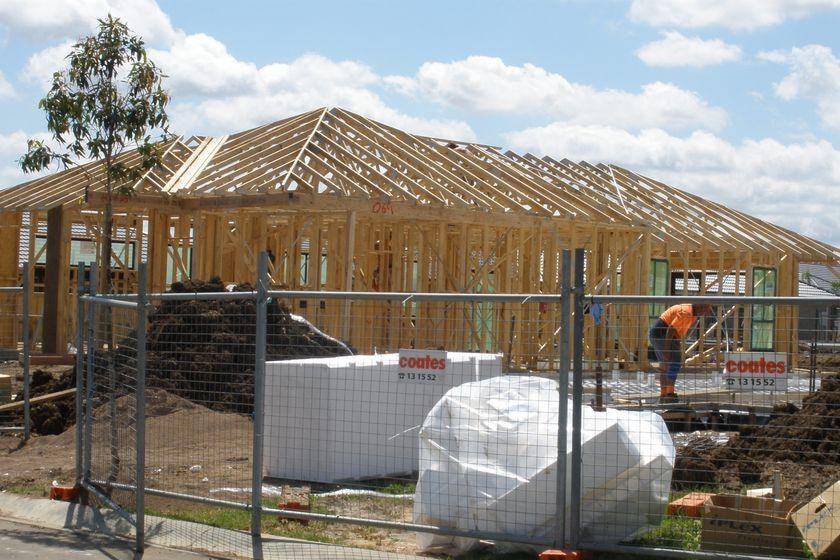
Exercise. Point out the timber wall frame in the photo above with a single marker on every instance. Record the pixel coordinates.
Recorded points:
(389, 211)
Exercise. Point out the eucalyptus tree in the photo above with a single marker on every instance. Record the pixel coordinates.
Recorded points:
(108, 100)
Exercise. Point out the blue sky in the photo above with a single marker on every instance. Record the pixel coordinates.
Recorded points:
(738, 101)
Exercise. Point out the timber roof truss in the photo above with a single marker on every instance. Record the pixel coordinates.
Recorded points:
(337, 153)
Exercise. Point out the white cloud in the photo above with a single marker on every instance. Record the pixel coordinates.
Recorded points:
(214, 92)
(741, 14)
(70, 19)
(12, 146)
(675, 49)
(6, 89)
(199, 64)
(41, 66)
(814, 75)
(279, 90)
(764, 178)
(487, 84)
(13, 143)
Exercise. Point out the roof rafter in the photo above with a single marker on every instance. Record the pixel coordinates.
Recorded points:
(340, 155)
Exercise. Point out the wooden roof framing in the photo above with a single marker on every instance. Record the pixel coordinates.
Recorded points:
(332, 155)
(72, 185)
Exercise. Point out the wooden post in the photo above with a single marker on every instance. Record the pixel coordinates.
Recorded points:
(9, 236)
(643, 312)
(55, 284)
(349, 247)
(748, 285)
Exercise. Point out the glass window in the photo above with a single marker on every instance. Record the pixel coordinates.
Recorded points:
(658, 286)
(85, 250)
(763, 316)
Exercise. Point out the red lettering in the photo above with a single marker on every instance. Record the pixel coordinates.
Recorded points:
(382, 208)
(755, 366)
(422, 362)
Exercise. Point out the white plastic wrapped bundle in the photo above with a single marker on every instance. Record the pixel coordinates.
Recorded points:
(488, 458)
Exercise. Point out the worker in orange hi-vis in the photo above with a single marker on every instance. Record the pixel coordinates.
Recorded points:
(665, 336)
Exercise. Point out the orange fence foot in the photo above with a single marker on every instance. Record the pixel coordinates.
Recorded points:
(64, 493)
(565, 555)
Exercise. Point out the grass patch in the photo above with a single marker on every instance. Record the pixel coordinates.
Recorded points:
(240, 520)
(26, 489)
(677, 531)
(492, 555)
(390, 486)
(225, 518)
(398, 488)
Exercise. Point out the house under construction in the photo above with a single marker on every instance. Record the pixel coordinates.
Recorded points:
(346, 203)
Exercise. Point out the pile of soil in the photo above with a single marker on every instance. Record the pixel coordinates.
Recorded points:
(199, 350)
(48, 418)
(803, 445)
(203, 350)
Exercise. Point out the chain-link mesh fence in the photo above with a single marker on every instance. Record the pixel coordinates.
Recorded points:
(429, 422)
(111, 420)
(363, 428)
(14, 357)
(750, 405)
(199, 406)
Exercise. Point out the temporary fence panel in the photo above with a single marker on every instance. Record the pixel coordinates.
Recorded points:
(755, 429)
(201, 349)
(112, 421)
(15, 350)
(345, 430)
(438, 439)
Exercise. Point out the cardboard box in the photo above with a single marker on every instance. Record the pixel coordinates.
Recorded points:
(749, 525)
(819, 523)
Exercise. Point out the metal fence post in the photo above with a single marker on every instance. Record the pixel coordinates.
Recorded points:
(563, 387)
(91, 346)
(110, 367)
(27, 421)
(140, 504)
(259, 393)
(80, 344)
(577, 399)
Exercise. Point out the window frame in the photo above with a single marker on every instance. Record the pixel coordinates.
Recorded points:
(759, 314)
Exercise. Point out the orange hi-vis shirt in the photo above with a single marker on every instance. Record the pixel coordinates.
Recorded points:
(680, 318)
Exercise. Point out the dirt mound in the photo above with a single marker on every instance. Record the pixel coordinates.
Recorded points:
(802, 444)
(199, 351)
(203, 350)
(52, 417)
(177, 436)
